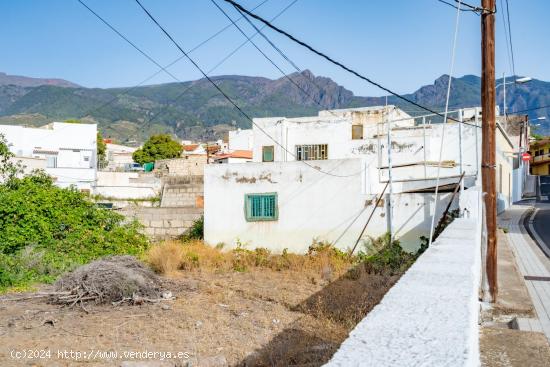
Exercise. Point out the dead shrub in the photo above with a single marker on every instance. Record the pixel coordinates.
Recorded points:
(107, 280)
(166, 257)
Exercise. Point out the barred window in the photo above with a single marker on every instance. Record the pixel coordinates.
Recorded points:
(261, 207)
(311, 152)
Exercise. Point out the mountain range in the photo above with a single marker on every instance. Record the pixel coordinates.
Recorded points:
(196, 110)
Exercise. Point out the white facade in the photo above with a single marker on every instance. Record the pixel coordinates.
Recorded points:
(118, 155)
(127, 185)
(70, 150)
(319, 199)
(311, 206)
(241, 139)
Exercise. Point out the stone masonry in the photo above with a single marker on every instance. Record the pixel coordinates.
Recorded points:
(182, 191)
(181, 204)
(163, 223)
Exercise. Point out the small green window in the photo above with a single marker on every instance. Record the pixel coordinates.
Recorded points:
(267, 153)
(261, 207)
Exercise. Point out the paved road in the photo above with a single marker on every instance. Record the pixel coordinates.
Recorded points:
(541, 224)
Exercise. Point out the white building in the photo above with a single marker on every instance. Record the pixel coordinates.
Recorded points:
(118, 156)
(241, 139)
(320, 178)
(236, 156)
(70, 150)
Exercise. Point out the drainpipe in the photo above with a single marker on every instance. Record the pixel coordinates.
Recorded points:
(390, 204)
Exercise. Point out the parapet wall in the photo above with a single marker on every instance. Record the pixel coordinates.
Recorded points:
(430, 316)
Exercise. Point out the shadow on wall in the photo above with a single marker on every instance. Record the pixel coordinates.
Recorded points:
(326, 319)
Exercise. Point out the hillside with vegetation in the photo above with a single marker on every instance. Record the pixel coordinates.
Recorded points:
(195, 110)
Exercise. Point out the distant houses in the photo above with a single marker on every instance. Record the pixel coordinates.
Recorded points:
(66, 151)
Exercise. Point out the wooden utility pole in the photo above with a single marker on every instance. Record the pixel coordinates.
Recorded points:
(488, 143)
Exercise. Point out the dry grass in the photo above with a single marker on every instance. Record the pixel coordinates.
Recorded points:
(169, 256)
(165, 257)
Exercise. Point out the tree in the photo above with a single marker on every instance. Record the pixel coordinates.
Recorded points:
(101, 150)
(8, 168)
(46, 229)
(160, 146)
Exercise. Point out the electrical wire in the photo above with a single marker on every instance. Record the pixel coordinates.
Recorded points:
(199, 45)
(279, 51)
(222, 61)
(532, 109)
(456, 7)
(510, 36)
(229, 98)
(453, 54)
(331, 60)
(299, 87)
(128, 41)
(508, 54)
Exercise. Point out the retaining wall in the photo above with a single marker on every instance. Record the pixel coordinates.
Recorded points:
(164, 223)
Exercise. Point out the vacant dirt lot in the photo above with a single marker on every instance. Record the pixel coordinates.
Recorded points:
(258, 317)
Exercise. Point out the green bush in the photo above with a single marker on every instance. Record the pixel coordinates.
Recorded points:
(46, 230)
(195, 232)
(390, 258)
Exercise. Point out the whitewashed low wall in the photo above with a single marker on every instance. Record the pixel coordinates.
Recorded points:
(127, 185)
(430, 316)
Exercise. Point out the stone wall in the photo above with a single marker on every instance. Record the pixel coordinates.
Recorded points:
(163, 223)
(184, 191)
(187, 165)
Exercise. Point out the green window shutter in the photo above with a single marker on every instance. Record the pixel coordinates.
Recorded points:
(267, 153)
(261, 207)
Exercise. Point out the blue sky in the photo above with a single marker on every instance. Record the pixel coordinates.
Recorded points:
(402, 44)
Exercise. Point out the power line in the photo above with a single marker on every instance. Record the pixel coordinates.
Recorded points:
(328, 58)
(267, 57)
(229, 98)
(128, 41)
(130, 89)
(531, 109)
(508, 55)
(457, 8)
(161, 112)
(283, 55)
(510, 36)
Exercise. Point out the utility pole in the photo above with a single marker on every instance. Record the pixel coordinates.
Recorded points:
(488, 143)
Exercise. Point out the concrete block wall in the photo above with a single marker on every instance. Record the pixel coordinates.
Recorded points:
(184, 191)
(181, 195)
(164, 223)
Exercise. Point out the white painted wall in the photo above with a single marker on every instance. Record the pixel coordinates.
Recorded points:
(127, 185)
(74, 145)
(118, 155)
(29, 164)
(312, 205)
(330, 127)
(241, 139)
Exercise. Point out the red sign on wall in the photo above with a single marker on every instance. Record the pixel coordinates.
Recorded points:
(525, 156)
